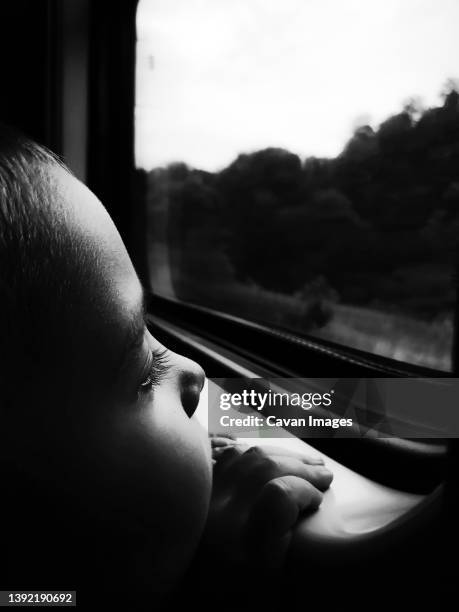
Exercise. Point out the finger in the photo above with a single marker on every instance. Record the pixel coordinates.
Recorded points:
(286, 452)
(280, 504)
(221, 436)
(225, 457)
(220, 451)
(254, 468)
(216, 442)
(318, 475)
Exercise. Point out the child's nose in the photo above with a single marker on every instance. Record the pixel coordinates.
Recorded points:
(191, 382)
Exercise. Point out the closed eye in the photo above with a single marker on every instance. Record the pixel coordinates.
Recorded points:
(158, 368)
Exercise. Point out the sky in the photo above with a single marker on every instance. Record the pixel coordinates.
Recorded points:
(215, 78)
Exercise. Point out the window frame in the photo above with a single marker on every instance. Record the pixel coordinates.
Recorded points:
(242, 335)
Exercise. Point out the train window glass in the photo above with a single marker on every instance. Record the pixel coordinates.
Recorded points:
(300, 161)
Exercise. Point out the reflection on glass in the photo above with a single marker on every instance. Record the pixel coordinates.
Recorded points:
(300, 164)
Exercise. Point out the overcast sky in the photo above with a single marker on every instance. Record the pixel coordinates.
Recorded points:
(219, 77)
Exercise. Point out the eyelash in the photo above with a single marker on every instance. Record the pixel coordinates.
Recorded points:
(158, 370)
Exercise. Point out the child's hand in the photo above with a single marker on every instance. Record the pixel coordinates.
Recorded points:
(258, 495)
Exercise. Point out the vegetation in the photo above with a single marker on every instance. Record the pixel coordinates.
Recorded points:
(324, 245)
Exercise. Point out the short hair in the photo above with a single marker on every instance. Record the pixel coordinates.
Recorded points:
(33, 246)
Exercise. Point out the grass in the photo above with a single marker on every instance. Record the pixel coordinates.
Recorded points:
(399, 337)
(253, 303)
(391, 335)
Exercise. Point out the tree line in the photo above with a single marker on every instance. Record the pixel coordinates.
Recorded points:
(376, 225)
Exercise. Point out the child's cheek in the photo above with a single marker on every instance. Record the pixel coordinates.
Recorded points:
(202, 435)
(200, 420)
(187, 435)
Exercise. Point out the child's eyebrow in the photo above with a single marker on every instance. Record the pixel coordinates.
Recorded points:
(134, 336)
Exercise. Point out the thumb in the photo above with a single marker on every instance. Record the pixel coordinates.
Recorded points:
(279, 505)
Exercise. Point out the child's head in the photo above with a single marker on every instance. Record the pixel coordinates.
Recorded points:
(91, 408)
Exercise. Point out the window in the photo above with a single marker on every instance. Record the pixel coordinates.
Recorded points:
(300, 164)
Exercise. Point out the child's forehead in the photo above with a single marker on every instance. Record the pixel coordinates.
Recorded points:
(72, 200)
(86, 222)
(107, 283)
